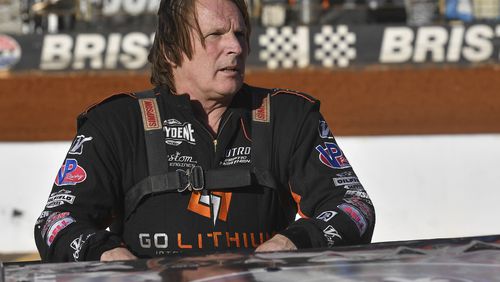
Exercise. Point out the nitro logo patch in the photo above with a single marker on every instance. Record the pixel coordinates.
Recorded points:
(179, 160)
(326, 215)
(177, 132)
(70, 173)
(324, 130)
(77, 146)
(356, 217)
(238, 155)
(150, 114)
(60, 198)
(332, 156)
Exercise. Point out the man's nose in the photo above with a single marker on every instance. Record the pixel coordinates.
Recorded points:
(234, 43)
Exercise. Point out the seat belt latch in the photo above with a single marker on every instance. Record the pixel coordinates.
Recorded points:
(191, 179)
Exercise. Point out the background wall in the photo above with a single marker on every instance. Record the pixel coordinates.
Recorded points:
(422, 186)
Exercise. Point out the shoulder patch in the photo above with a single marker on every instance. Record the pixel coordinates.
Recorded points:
(150, 114)
(277, 91)
(262, 110)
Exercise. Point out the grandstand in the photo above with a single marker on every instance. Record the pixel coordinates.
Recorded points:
(38, 16)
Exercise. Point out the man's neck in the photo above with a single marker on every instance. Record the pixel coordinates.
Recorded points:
(209, 112)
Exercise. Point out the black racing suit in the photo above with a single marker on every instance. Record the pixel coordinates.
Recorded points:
(108, 157)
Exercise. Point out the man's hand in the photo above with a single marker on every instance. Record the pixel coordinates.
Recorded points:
(277, 243)
(119, 253)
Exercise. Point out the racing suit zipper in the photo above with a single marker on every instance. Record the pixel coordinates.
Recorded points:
(214, 161)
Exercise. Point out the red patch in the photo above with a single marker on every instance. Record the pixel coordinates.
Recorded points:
(150, 114)
(262, 114)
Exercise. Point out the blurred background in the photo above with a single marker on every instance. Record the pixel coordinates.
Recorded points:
(410, 89)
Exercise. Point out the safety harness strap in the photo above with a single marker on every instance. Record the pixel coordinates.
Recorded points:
(192, 179)
(153, 133)
(196, 178)
(262, 138)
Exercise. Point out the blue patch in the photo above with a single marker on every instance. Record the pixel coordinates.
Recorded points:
(332, 156)
(70, 173)
(323, 129)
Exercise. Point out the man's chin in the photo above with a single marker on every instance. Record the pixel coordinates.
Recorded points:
(230, 89)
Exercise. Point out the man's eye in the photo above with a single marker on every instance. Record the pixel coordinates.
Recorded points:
(214, 34)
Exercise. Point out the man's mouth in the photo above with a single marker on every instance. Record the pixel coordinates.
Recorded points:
(230, 69)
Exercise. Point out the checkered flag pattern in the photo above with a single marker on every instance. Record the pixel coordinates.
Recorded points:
(285, 47)
(336, 46)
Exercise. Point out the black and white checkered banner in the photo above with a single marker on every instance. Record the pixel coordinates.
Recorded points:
(330, 47)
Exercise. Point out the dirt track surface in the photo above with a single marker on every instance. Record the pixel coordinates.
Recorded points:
(424, 101)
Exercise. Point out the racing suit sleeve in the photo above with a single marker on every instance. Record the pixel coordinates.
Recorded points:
(334, 208)
(82, 202)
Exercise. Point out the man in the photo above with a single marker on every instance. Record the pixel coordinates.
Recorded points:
(204, 162)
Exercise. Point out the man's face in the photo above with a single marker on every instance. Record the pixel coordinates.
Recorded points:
(215, 71)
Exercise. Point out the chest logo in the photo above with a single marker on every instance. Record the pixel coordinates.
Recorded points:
(177, 132)
(219, 208)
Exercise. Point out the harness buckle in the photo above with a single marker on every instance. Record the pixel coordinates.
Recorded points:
(191, 179)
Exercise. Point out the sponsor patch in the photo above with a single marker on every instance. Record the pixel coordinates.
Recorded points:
(326, 215)
(331, 234)
(362, 206)
(42, 216)
(263, 113)
(346, 174)
(177, 132)
(357, 187)
(342, 181)
(77, 245)
(77, 146)
(332, 156)
(356, 216)
(51, 220)
(57, 227)
(324, 130)
(70, 173)
(356, 193)
(60, 198)
(238, 155)
(150, 114)
(10, 52)
(179, 160)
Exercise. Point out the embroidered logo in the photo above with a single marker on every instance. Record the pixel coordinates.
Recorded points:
(332, 156)
(177, 132)
(262, 114)
(60, 198)
(150, 114)
(77, 146)
(324, 130)
(70, 173)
